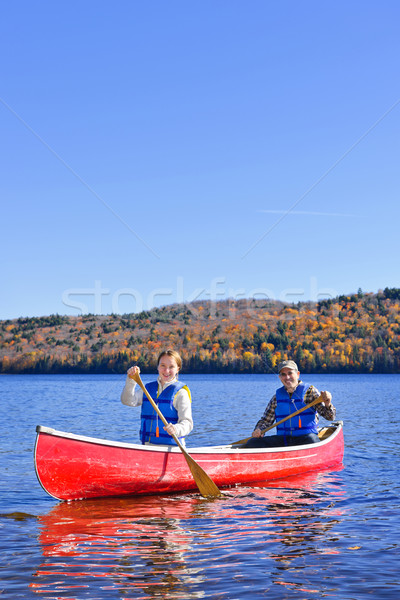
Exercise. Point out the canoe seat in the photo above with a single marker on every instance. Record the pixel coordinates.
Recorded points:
(325, 432)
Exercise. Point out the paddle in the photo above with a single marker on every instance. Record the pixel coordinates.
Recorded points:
(316, 401)
(207, 487)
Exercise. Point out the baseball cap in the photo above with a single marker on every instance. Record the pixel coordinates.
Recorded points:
(287, 364)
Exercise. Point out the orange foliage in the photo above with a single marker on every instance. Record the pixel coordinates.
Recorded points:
(358, 333)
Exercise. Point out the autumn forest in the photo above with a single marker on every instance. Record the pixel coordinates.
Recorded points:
(359, 333)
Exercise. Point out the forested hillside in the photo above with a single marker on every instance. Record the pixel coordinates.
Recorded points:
(359, 333)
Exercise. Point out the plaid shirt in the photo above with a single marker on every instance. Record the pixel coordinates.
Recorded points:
(268, 418)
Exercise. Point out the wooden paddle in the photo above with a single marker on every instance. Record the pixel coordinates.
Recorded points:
(316, 401)
(207, 487)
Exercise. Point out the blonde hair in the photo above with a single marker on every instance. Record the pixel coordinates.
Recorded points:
(172, 354)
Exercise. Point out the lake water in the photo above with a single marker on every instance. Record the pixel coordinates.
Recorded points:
(332, 534)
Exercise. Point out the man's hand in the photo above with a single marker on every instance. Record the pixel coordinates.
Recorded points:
(326, 398)
(256, 433)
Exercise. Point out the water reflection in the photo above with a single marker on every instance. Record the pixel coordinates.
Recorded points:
(172, 546)
(136, 543)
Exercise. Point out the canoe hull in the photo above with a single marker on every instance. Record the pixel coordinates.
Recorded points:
(71, 467)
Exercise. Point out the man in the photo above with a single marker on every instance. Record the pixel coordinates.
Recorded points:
(288, 399)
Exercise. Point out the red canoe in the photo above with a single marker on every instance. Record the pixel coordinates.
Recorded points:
(72, 467)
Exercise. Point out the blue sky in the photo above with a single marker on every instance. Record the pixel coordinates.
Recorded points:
(159, 152)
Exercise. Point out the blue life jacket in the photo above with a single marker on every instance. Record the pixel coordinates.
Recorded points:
(151, 426)
(301, 424)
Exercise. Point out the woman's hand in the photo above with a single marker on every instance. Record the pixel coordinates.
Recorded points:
(170, 429)
(256, 433)
(132, 371)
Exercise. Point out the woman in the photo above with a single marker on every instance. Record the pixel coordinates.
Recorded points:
(172, 397)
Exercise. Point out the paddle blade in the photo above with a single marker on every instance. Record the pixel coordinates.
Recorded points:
(207, 487)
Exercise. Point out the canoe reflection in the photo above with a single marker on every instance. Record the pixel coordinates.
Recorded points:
(164, 546)
(70, 524)
(128, 542)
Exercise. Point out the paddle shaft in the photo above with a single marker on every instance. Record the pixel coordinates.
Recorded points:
(205, 484)
(316, 401)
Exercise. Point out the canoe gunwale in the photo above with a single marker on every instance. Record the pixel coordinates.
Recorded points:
(221, 449)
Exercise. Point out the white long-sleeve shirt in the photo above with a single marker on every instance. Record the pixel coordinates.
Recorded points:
(132, 395)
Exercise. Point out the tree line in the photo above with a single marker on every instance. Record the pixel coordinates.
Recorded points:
(357, 333)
